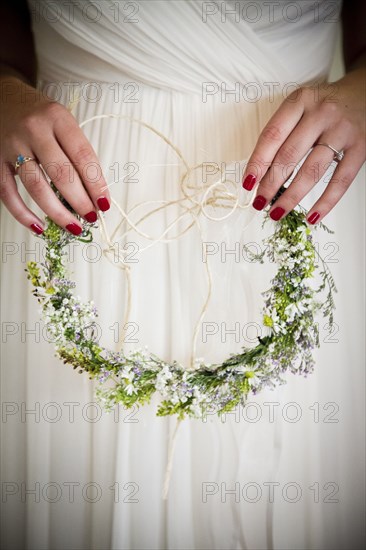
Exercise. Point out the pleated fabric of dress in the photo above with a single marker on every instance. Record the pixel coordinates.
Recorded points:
(285, 473)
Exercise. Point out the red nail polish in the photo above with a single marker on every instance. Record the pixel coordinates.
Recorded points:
(103, 204)
(313, 218)
(91, 217)
(259, 202)
(249, 182)
(277, 213)
(36, 228)
(74, 228)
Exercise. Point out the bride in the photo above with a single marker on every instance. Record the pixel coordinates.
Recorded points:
(239, 85)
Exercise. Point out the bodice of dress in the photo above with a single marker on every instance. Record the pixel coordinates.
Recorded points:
(180, 44)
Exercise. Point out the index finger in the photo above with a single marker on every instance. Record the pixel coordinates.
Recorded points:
(270, 140)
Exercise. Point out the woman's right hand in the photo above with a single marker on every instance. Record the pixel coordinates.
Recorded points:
(34, 126)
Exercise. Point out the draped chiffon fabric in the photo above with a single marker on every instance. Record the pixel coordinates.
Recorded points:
(288, 472)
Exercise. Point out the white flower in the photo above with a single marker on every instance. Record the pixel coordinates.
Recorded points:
(290, 312)
(241, 369)
(195, 409)
(174, 399)
(254, 380)
(162, 378)
(130, 375)
(295, 248)
(304, 230)
(297, 308)
(130, 389)
(271, 348)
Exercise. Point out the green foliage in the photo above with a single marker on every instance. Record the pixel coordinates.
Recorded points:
(288, 316)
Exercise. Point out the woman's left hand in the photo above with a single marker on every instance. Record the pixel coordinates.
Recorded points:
(307, 117)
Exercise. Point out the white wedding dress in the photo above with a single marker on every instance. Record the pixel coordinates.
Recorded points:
(97, 479)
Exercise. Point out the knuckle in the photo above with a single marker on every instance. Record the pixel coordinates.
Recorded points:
(287, 154)
(61, 175)
(271, 133)
(311, 172)
(329, 110)
(344, 181)
(347, 128)
(84, 154)
(54, 109)
(34, 183)
(30, 122)
(46, 113)
(292, 197)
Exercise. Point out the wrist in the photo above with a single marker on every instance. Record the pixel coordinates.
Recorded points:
(16, 89)
(7, 72)
(358, 63)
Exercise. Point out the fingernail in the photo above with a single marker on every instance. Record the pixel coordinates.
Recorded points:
(36, 228)
(277, 213)
(74, 228)
(249, 182)
(313, 218)
(259, 202)
(91, 217)
(103, 204)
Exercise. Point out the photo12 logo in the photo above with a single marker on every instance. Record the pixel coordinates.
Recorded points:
(271, 11)
(269, 491)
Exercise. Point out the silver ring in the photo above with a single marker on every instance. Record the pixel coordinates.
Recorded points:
(338, 155)
(22, 160)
